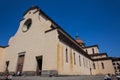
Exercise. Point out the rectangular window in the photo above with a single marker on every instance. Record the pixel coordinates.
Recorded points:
(79, 61)
(93, 50)
(66, 55)
(74, 59)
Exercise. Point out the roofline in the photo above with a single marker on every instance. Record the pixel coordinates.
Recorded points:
(115, 58)
(36, 7)
(4, 46)
(101, 59)
(31, 8)
(55, 25)
(92, 46)
(81, 51)
(98, 54)
(63, 31)
(108, 58)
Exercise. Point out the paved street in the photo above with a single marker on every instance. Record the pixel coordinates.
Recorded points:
(59, 78)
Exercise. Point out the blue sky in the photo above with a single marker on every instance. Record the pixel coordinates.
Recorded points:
(95, 21)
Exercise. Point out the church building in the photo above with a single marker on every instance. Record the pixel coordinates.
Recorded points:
(41, 47)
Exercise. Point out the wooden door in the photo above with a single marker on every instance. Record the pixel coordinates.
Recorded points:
(20, 64)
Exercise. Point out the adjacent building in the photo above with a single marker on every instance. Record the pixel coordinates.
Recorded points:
(42, 47)
(101, 62)
(116, 64)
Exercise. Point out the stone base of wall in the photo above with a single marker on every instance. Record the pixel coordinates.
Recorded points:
(44, 73)
(49, 73)
(2, 73)
(29, 73)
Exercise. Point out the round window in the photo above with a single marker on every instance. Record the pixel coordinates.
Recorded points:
(27, 25)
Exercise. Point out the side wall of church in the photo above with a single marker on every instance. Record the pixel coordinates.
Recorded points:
(71, 62)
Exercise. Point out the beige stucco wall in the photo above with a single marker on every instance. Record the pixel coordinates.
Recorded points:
(34, 42)
(69, 68)
(108, 67)
(89, 50)
(2, 69)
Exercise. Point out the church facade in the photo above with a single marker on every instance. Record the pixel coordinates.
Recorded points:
(42, 47)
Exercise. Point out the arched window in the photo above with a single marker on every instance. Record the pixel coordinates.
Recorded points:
(66, 55)
(79, 61)
(86, 51)
(74, 59)
(93, 51)
(94, 66)
(102, 65)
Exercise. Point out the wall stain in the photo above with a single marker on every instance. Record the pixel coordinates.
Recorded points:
(62, 65)
(71, 60)
(58, 56)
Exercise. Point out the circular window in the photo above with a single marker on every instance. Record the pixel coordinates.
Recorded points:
(27, 25)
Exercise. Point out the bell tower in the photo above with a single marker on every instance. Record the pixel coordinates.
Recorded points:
(79, 41)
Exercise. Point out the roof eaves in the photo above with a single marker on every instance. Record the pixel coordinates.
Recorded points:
(92, 46)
